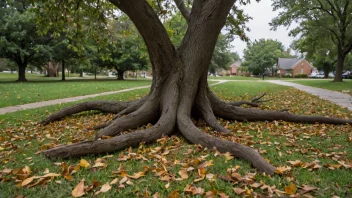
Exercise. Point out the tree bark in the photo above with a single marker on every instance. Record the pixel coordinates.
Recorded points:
(63, 75)
(120, 75)
(22, 72)
(339, 65)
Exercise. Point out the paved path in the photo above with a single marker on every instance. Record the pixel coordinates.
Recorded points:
(63, 100)
(341, 99)
(11, 109)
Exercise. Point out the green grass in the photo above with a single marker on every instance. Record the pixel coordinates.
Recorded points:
(345, 86)
(231, 78)
(279, 142)
(28, 92)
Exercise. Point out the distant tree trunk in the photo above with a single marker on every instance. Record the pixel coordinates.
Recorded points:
(81, 73)
(52, 69)
(120, 75)
(63, 70)
(22, 72)
(339, 65)
(95, 73)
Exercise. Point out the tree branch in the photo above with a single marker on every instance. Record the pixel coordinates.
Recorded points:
(183, 9)
(161, 51)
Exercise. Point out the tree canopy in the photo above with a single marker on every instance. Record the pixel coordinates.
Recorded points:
(327, 19)
(262, 54)
(19, 40)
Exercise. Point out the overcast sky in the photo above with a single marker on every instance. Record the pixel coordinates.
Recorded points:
(262, 14)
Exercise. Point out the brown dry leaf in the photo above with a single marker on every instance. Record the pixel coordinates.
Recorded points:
(79, 189)
(228, 156)
(194, 190)
(238, 190)
(174, 194)
(156, 195)
(282, 169)
(84, 163)
(307, 189)
(183, 173)
(295, 163)
(50, 175)
(99, 164)
(136, 175)
(105, 188)
(291, 189)
(114, 181)
(27, 181)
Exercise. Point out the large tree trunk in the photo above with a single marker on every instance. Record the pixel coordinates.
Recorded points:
(22, 72)
(120, 74)
(179, 87)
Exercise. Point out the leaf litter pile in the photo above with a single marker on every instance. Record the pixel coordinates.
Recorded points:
(311, 160)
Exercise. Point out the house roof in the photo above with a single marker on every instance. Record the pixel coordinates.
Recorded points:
(288, 63)
(236, 63)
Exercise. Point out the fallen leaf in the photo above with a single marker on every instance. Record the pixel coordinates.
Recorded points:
(79, 189)
(105, 188)
(84, 163)
(291, 189)
(114, 181)
(238, 190)
(27, 181)
(183, 173)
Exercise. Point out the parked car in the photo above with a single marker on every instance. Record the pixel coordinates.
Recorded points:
(347, 74)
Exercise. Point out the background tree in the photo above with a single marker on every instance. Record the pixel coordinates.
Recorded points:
(318, 51)
(179, 85)
(325, 18)
(19, 41)
(222, 56)
(261, 55)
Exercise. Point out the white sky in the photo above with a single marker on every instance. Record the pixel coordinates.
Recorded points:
(262, 14)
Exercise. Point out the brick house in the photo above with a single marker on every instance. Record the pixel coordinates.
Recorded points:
(293, 66)
(234, 66)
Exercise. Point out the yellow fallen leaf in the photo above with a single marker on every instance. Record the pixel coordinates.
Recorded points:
(84, 163)
(79, 189)
(291, 189)
(99, 164)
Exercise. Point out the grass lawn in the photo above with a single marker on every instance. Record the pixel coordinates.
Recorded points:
(309, 155)
(231, 78)
(345, 86)
(13, 93)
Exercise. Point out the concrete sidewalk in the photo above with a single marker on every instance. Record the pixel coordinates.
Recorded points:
(341, 99)
(63, 100)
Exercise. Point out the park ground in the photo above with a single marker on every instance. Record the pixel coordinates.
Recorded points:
(311, 160)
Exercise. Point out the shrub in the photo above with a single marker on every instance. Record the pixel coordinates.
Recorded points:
(301, 76)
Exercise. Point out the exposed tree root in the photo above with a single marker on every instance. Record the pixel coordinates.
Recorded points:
(202, 105)
(254, 102)
(101, 105)
(194, 135)
(171, 111)
(226, 111)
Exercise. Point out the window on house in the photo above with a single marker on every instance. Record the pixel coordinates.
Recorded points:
(302, 70)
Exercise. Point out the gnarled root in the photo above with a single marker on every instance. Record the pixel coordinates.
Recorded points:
(229, 112)
(194, 135)
(254, 102)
